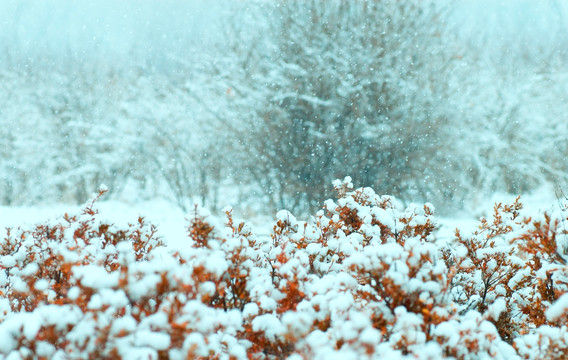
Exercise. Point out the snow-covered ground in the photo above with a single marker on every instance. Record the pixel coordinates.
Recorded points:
(168, 217)
(539, 201)
(172, 221)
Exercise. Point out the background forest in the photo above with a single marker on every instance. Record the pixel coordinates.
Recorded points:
(267, 102)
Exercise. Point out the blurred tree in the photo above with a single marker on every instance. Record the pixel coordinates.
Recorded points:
(322, 89)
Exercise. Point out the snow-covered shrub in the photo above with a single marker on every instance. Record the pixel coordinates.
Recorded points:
(342, 87)
(364, 278)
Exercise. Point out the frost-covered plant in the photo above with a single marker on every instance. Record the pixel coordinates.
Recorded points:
(364, 278)
(485, 266)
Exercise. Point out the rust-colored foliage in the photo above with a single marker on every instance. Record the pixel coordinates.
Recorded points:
(199, 230)
(365, 276)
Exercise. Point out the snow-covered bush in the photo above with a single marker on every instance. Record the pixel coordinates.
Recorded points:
(364, 278)
(325, 89)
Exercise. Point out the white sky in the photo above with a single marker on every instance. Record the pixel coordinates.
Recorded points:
(101, 29)
(488, 22)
